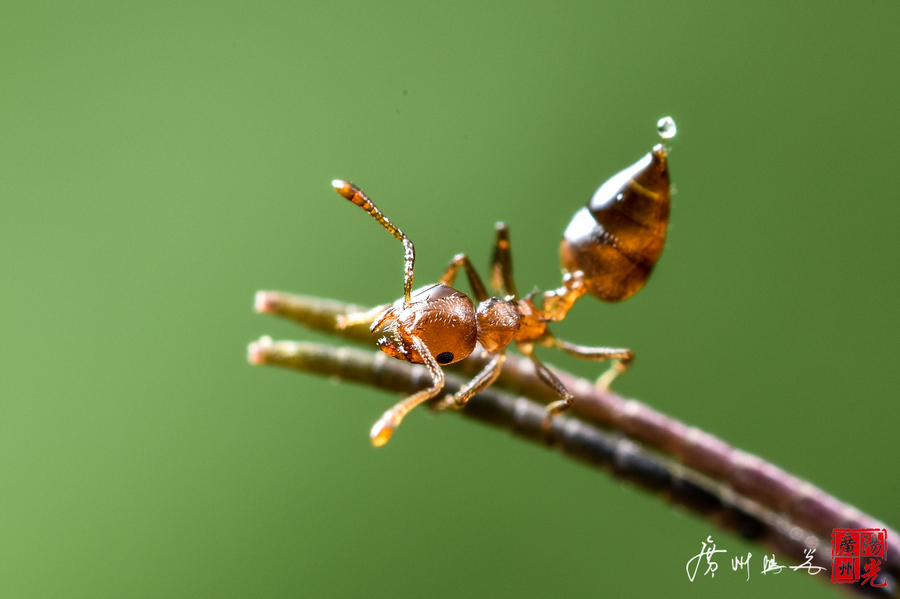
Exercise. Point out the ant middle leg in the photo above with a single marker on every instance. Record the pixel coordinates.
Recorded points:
(501, 263)
(553, 382)
(481, 381)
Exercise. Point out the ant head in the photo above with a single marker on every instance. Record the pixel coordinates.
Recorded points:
(439, 316)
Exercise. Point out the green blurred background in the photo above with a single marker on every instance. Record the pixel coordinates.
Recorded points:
(160, 163)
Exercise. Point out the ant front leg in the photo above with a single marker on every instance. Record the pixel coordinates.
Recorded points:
(388, 423)
(474, 280)
(501, 268)
(622, 359)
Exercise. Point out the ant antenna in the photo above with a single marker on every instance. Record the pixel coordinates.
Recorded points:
(355, 195)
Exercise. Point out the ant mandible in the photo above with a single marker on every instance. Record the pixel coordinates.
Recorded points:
(608, 249)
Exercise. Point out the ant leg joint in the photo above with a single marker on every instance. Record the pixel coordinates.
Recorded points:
(616, 369)
(447, 403)
(554, 409)
(558, 407)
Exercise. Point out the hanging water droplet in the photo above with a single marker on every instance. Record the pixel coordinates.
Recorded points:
(666, 127)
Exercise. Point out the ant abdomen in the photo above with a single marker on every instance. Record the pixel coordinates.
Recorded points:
(617, 238)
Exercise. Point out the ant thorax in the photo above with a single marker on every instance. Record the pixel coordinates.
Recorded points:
(498, 321)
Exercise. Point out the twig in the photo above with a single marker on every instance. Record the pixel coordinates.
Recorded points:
(746, 476)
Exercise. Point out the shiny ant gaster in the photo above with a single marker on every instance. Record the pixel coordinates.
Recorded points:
(609, 249)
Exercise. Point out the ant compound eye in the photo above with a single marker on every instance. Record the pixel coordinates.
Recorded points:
(444, 357)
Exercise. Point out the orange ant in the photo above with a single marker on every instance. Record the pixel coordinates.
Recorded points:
(608, 249)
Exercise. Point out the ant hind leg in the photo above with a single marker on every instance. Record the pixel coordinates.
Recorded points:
(622, 359)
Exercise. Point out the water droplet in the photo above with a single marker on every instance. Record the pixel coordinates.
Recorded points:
(666, 127)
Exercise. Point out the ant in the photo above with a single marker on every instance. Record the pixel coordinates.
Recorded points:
(608, 250)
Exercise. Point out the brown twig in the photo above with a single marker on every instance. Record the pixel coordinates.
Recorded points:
(742, 476)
